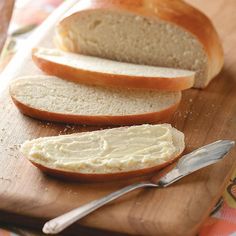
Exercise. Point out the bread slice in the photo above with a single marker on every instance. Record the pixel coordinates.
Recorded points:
(53, 99)
(106, 154)
(163, 33)
(98, 71)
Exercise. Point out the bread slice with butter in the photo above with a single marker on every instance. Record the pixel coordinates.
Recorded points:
(54, 99)
(107, 154)
(98, 71)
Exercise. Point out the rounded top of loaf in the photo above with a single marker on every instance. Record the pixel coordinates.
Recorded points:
(175, 12)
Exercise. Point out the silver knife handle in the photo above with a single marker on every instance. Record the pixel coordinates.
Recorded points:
(58, 224)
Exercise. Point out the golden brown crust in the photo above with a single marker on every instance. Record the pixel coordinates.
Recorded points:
(111, 80)
(75, 176)
(175, 11)
(151, 118)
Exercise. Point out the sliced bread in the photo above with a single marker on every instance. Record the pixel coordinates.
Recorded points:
(54, 99)
(98, 71)
(106, 154)
(163, 33)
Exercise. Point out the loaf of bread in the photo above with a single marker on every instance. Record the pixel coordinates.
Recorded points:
(163, 33)
(53, 99)
(106, 154)
(108, 73)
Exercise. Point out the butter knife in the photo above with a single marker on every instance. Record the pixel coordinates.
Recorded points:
(187, 164)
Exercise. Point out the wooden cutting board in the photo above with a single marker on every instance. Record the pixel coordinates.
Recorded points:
(204, 116)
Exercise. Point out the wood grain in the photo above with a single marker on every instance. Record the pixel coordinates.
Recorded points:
(204, 116)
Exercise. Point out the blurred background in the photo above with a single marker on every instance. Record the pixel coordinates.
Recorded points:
(16, 25)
